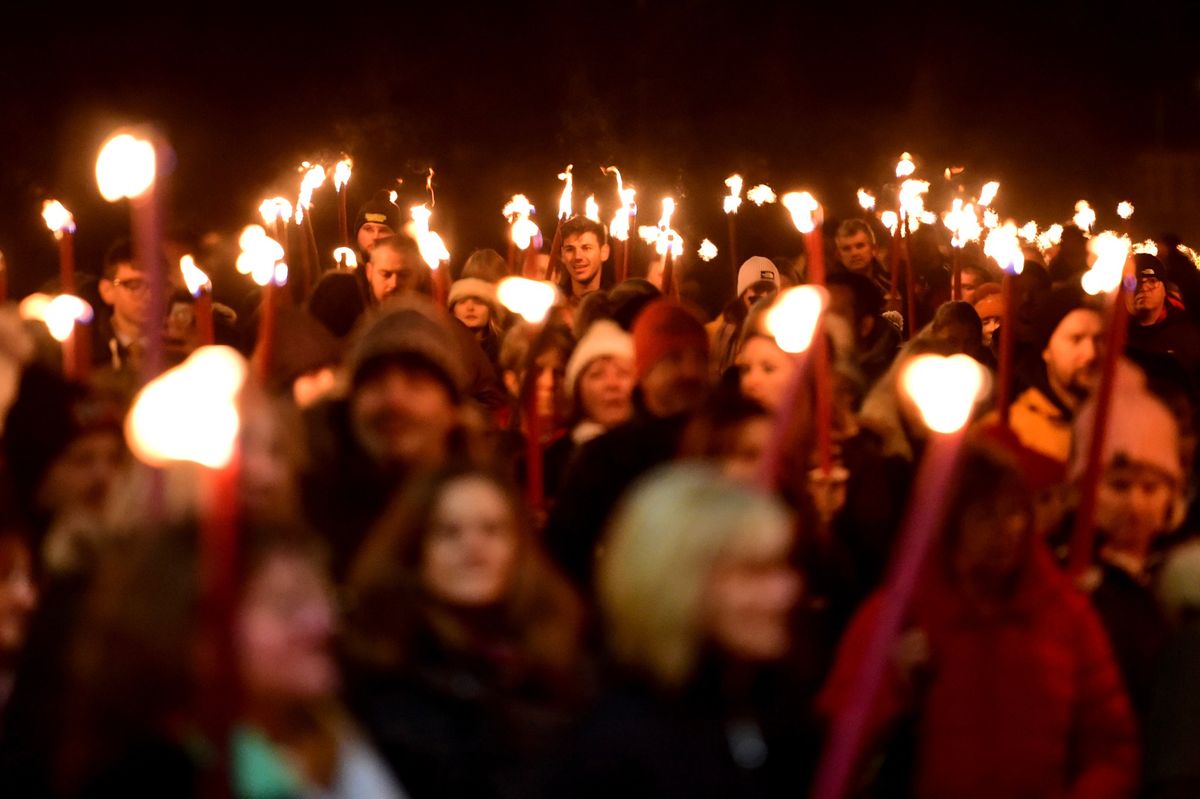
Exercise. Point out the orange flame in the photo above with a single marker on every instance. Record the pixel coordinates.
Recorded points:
(761, 194)
(734, 200)
(59, 313)
(565, 199)
(590, 209)
(126, 167)
(803, 207)
(197, 282)
(1125, 209)
(707, 250)
(341, 172)
(905, 166)
(866, 200)
(1084, 217)
(988, 193)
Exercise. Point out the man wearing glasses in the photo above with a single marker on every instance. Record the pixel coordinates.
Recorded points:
(1157, 324)
(122, 331)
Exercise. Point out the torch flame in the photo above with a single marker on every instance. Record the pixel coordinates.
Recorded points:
(189, 413)
(624, 216)
(345, 256)
(259, 257)
(432, 248)
(912, 198)
(1084, 217)
(59, 313)
(532, 299)
(761, 194)
(564, 200)
(991, 219)
(648, 233)
(612, 170)
(734, 200)
(313, 179)
(1003, 247)
(517, 212)
(905, 166)
(1110, 251)
(274, 209)
(707, 250)
(1148, 246)
(988, 193)
(590, 209)
(429, 188)
(57, 218)
(1049, 237)
(962, 223)
(804, 208)
(944, 390)
(792, 318)
(193, 276)
(341, 173)
(126, 167)
(668, 206)
(890, 220)
(1125, 209)
(866, 200)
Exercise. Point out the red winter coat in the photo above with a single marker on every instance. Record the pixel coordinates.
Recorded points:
(1027, 703)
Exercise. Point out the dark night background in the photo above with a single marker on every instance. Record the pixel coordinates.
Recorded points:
(1058, 102)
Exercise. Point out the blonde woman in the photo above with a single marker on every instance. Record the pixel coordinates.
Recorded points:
(697, 589)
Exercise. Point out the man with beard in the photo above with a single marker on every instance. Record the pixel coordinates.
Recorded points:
(1067, 336)
(402, 415)
(1155, 326)
(583, 253)
(671, 365)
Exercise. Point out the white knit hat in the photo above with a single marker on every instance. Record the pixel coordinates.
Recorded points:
(472, 287)
(604, 338)
(756, 269)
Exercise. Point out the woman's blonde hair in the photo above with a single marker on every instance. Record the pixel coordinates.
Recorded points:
(658, 556)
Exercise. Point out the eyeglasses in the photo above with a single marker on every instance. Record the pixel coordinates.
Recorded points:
(134, 284)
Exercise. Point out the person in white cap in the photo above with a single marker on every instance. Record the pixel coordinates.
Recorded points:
(758, 279)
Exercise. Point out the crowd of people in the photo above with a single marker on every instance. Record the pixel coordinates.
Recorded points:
(412, 617)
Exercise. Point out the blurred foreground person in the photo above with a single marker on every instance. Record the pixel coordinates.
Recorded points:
(463, 642)
(146, 728)
(697, 590)
(18, 598)
(1005, 674)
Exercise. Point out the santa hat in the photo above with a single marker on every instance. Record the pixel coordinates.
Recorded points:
(604, 339)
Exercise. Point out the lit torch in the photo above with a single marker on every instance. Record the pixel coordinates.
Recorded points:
(964, 226)
(623, 221)
(522, 231)
(275, 214)
(129, 166)
(262, 259)
(1084, 217)
(866, 200)
(732, 202)
(62, 225)
(313, 177)
(1004, 247)
(200, 288)
(912, 206)
(945, 392)
(64, 316)
(668, 245)
(532, 301)
(1110, 273)
(433, 252)
(341, 178)
(760, 195)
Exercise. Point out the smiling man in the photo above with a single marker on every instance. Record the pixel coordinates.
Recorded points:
(583, 253)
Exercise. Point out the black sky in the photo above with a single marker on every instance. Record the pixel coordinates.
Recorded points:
(1056, 101)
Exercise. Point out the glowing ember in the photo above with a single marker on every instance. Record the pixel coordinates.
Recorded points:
(1110, 252)
(193, 276)
(734, 200)
(866, 200)
(1003, 247)
(1124, 209)
(59, 313)
(905, 166)
(803, 208)
(988, 193)
(944, 390)
(591, 209)
(341, 173)
(792, 318)
(346, 256)
(532, 299)
(189, 413)
(707, 250)
(564, 200)
(57, 218)
(1084, 217)
(517, 212)
(761, 194)
(126, 167)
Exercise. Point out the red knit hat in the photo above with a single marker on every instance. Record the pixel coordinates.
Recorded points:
(664, 327)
